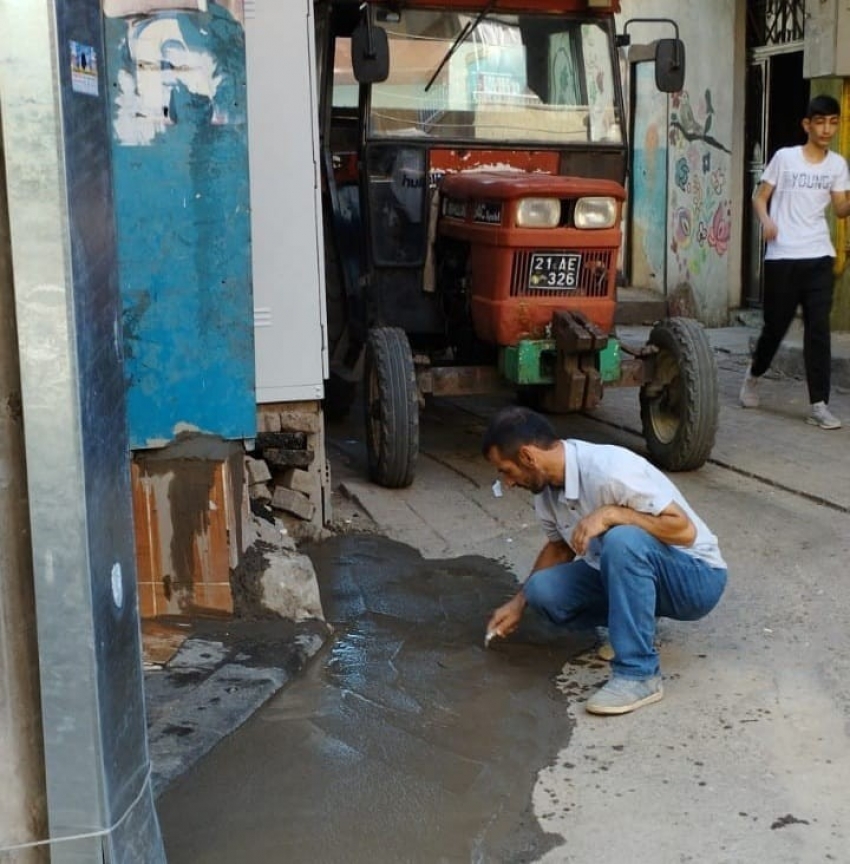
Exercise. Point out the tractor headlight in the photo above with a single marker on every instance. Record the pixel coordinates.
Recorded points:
(538, 213)
(597, 212)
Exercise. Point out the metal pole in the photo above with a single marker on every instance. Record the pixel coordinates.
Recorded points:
(23, 805)
(60, 214)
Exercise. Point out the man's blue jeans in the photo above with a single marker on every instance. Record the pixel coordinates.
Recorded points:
(640, 578)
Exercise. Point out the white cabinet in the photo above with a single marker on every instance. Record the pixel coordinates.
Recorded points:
(286, 224)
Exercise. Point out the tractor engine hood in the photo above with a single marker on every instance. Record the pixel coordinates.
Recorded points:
(512, 185)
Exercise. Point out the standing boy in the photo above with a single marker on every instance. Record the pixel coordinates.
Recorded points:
(798, 185)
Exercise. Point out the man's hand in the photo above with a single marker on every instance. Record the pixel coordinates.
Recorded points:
(761, 197)
(590, 526)
(769, 229)
(672, 525)
(841, 204)
(506, 618)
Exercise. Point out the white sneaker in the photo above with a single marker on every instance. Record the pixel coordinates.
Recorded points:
(749, 397)
(621, 695)
(823, 417)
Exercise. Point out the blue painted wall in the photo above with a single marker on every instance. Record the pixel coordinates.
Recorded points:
(649, 182)
(180, 161)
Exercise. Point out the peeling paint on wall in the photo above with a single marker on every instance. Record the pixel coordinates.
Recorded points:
(180, 164)
(649, 182)
(165, 54)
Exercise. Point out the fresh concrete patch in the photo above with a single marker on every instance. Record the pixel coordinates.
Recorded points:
(226, 668)
(218, 678)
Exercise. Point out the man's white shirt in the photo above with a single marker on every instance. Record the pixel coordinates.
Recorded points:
(600, 474)
(802, 192)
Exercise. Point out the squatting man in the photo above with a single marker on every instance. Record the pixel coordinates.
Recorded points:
(623, 548)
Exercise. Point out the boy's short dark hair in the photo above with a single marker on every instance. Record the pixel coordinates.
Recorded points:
(823, 106)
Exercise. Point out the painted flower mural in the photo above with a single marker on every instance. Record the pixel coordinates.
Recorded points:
(721, 228)
(718, 181)
(701, 214)
(682, 172)
(682, 226)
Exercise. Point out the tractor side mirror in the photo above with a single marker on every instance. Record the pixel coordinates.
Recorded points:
(669, 65)
(370, 52)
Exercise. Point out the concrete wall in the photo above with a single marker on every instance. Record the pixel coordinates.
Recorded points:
(704, 137)
(841, 303)
(839, 88)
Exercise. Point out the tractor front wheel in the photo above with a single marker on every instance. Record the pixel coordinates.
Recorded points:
(679, 407)
(392, 408)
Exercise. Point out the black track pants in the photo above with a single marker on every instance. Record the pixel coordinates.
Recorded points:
(789, 283)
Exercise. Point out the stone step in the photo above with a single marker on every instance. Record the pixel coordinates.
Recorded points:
(639, 306)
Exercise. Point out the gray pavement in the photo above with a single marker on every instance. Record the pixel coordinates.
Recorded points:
(745, 760)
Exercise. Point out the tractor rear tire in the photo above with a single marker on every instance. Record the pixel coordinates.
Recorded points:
(679, 407)
(391, 401)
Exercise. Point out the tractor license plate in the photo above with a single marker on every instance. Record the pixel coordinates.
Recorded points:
(554, 271)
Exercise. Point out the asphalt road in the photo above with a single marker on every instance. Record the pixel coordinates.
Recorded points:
(744, 760)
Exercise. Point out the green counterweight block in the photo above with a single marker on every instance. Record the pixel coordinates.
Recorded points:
(609, 361)
(529, 362)
(532, 361)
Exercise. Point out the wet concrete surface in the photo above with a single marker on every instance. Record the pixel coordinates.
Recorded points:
(405, 740)
(221, 672)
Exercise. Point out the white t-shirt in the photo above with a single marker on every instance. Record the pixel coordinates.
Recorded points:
(600, 474)
(802, 192)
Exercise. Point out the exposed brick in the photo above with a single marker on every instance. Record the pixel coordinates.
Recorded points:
(259, 492)
(292, 420)
(268, 421)
(257, 470)
(283, 440)
(305, 482)
(280, 458)
(293, 502)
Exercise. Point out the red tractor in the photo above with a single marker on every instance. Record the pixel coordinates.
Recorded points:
(474, 168)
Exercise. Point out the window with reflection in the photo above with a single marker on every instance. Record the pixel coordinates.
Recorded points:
(523, 78)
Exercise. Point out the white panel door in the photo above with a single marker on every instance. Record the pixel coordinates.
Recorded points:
(288, 256)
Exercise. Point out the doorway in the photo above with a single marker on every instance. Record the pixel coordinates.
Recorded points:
(776, 99)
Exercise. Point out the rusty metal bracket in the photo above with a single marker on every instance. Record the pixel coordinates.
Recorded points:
(634, 372)
(574, 333)
(459, 380)
(578, 383)
(642, 351)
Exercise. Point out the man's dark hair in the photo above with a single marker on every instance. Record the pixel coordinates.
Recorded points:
(515, 426)
(823, 106)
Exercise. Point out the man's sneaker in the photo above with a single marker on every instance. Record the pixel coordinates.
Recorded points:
(605, 652)
(749, 397)
(621, 695)
(821, 416)
(603, 648)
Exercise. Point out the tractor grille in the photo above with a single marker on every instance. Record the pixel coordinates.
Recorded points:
(593, 279)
